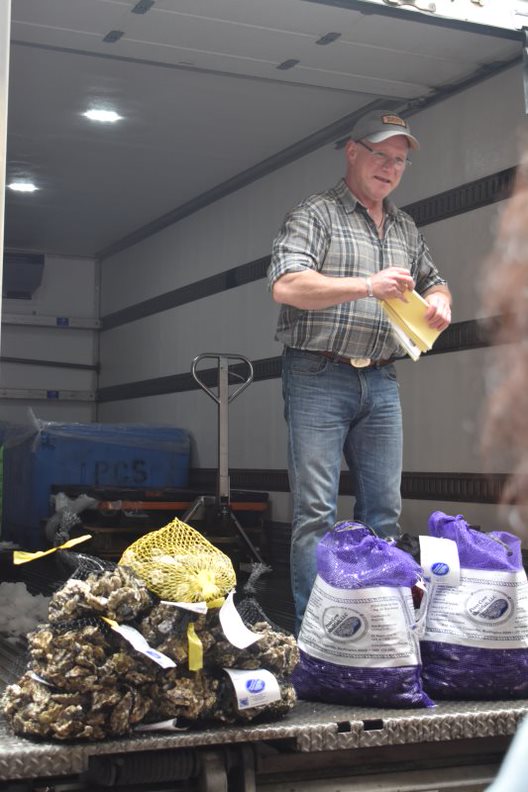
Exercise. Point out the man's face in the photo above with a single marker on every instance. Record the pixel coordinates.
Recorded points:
(371, 176)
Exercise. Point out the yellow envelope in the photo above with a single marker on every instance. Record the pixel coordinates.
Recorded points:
(409, 318)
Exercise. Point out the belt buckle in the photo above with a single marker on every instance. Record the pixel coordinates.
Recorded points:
(360, 362)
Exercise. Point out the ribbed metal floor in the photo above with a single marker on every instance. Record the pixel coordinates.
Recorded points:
(309, 727)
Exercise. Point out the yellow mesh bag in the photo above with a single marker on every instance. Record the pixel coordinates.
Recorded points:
(178, 564)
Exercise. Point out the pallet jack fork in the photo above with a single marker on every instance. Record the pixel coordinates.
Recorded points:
(221, 501)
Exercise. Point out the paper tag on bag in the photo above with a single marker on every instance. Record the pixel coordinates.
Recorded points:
(439, 560)
(234, 628)
(194, 607)
(166, 725)
(139, 643)
(254, 688)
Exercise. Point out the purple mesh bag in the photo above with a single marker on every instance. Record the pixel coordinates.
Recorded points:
(357, 640)
(481, 627)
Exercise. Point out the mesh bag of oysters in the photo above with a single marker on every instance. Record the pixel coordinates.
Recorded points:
(155, 641)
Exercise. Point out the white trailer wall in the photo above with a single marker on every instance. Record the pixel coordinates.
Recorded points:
(68, 291)
(470, 135)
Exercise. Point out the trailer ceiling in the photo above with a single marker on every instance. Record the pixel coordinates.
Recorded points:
(213, 93)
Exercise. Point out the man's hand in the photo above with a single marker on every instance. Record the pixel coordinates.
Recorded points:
(392, 282)
(438, 314)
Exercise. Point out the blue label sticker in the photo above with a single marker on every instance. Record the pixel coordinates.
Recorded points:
(440, 568)
(52, 394)
(63, 321)
(255, 685)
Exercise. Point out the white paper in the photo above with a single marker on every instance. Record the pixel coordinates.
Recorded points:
(439, 560)
(407, 343)
(487, 610)
(38, 678)
(140, 644)
(234, 628)
(195, 607)
(372, 627)
(166, 725)
(254, 688)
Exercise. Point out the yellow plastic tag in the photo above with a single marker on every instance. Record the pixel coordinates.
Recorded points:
(23, 557)
(217, 603)
(195, 649)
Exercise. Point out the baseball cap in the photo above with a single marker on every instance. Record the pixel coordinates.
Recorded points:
(380, 125)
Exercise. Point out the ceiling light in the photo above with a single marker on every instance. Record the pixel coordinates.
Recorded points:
(104, 116)
(20, 186)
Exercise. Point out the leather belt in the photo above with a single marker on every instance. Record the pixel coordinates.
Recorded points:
(359, 363)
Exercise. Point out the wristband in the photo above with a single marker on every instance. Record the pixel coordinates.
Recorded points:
(370, 292)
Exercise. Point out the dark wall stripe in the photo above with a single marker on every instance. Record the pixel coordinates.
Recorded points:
(472, 334)
(266, 368)
(468, 487)
(237, 276)
(451, 487)
(465, 198)
(50, 363)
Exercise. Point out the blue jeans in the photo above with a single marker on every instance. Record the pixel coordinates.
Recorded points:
(334, 409)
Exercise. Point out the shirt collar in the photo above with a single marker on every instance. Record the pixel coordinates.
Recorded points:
(350, 202)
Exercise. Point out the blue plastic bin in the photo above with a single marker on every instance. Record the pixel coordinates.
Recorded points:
(118, 455)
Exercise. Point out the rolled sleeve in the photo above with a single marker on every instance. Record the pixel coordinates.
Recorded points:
(301, 244)
(423, 269)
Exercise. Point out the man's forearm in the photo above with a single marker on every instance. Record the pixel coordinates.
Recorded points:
(310, 290)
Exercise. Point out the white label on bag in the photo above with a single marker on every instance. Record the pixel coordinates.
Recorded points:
(487, 609)
(194, 607)
(40, 679)
(369, 627)
(140, 643)
(254, 688)
(439, 560)
(234, 628)
(166, 725)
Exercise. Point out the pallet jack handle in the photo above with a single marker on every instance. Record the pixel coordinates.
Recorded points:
(223, 398)
(223, 375)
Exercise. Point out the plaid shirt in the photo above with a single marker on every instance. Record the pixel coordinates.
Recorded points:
(332, 233)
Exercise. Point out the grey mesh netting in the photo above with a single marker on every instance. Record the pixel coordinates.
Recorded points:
(248, 605)
(482, 618)
(357, 640)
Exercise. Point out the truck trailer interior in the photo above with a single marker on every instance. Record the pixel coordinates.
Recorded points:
(159, 144)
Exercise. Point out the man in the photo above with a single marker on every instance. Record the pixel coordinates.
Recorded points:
(336, 255)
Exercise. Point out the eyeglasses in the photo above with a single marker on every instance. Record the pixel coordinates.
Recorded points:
(386, 159)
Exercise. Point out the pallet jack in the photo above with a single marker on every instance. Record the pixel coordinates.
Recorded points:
(220, 503)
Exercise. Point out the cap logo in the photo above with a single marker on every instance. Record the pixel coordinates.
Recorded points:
(393, 119)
